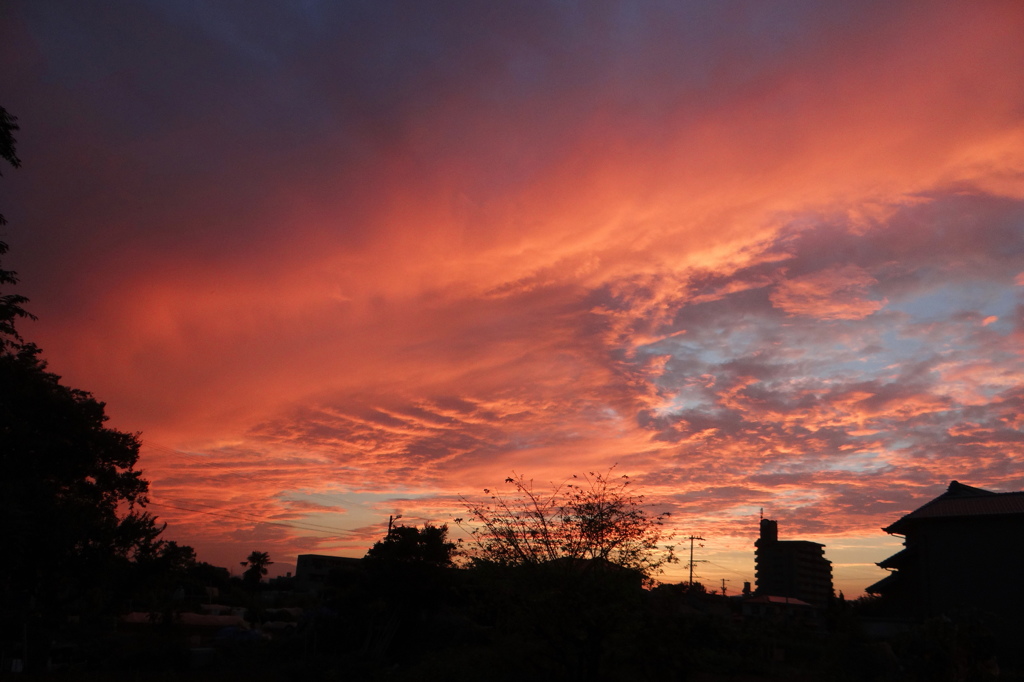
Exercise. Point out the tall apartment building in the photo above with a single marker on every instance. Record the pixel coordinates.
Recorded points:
(791, 568)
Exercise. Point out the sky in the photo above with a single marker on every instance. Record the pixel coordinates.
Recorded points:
(340, 261)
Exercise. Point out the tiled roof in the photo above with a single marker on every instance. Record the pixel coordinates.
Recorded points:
(962, 500)
(896, 560)
(884, 584)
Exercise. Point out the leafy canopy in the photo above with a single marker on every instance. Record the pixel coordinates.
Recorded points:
(409, 544)
(70, 498)
(593, 517)
(11, 305)
(257, 562)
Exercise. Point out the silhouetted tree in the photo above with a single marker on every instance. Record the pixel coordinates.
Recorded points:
(409, 544)
(257, 563)
(7, 142)
(159, 578)
(203, 575)
(71, 501)
(11, 305)
(595, 517)
(166, 563)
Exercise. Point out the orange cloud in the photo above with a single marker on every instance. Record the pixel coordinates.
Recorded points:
(836, 294)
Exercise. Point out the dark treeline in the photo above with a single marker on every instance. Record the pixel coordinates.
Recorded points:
(405, 612)
(389, 617)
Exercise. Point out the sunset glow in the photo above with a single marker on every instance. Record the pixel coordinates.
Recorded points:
(353, 260)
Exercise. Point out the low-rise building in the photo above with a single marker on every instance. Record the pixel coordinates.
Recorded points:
(312, 571)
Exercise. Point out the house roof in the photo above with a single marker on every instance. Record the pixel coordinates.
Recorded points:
(897, 560)
(884, 584)
(959, 501)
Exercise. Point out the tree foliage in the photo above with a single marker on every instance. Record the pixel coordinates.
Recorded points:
(12, 309)
(71, 501)
(257, 563)
(70, 493)
(11, 305)
(409, 544)
(7, 143)
(593, 517)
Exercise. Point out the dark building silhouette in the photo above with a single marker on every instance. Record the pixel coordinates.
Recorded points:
(963, 551)
(313, 571)
(796, 569)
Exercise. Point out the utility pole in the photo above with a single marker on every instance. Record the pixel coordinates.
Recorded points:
(691, 539)
(724, 581)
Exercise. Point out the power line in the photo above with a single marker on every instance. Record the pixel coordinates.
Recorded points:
(311, 527)
(691, 539)
(305, 524)
(226, 514)
(221, 512)
(150, 445)
(726, 568)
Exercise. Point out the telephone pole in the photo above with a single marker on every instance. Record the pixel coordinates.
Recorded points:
(691, 539)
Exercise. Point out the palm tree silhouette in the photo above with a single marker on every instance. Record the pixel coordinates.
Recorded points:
(257, 563)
